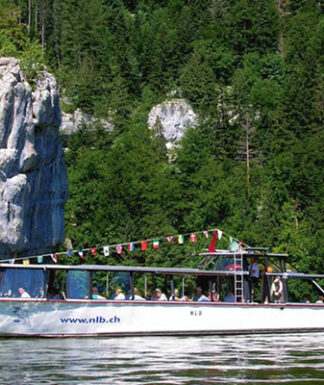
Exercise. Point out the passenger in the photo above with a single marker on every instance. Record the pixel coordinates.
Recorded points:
(175, 296)
(185, 298)
(159, 296)
(276, 291)
(95, 294)
(198, 294)
(215, 296)
(53, 294)
(23, 293)
(204, 297)
(230, 297)
(137, 296)
(307, 298)
(119, 295)
(320, 299)
(254, 275)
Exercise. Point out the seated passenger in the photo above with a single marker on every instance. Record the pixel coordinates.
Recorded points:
(119, 295)
(320, 299)
(53, 294)
(230, 297)
(137, 296)
(175, 296)
(95, 294)
(215, 296)
(23, 293)
(204, 298)
(159, 296)
(200, 296)
(276, 291)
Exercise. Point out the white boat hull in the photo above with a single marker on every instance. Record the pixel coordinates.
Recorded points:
(89, 318)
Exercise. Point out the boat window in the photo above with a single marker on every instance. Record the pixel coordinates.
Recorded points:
(117, 282)
(78, 284)
(31, 280)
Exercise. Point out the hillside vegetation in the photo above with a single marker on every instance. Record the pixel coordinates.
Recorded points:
(253, 72)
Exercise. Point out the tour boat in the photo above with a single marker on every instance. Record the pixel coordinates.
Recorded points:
(29, 306)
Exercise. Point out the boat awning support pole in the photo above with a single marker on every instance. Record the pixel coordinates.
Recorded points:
(107, 283)
(131, 279)
(172, 287)
(210, 288)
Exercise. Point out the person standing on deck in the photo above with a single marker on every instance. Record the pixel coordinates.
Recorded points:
(254, 275)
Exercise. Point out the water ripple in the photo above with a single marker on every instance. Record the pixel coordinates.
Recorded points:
(259, 359)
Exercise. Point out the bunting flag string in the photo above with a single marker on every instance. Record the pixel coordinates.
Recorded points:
(234, 245)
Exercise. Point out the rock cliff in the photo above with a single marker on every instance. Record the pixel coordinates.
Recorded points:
(33, 181)
(174, 116)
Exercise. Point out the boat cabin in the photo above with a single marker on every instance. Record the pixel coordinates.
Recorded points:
(242, 276)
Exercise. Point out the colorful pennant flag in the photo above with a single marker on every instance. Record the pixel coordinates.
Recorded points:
(106, 251)
(220, 234)
(80, 252)
(131, 246)
(170, 239)
(119, 249)
(40, 259)
(193, 238)
(206, 233)
(69, 253)
(180, 239)
(156, 244)
(93, 251)
(26, 261)
(11, 261)
(54, 257)
(212, 246)
(144, 245)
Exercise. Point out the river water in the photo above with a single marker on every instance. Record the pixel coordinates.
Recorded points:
(259, 359)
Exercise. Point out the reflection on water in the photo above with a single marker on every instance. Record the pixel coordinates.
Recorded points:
(260, 359)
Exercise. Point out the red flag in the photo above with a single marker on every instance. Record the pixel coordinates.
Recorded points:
(119, 249)
(144, 245)
(193, 238)
(212, 246)
(93, 251)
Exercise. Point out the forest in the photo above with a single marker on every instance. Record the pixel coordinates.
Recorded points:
(253, 166)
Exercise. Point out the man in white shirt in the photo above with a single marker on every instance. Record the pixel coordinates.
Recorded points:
(159, 296)
(23, 293)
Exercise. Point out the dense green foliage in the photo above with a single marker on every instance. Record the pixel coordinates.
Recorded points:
(252, 70)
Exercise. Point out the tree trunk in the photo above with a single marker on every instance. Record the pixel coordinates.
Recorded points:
(29, 16)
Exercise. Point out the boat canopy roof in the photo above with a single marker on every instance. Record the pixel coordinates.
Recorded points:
(156, 270)
(127, 269)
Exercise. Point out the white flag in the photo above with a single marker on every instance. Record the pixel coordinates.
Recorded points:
(220, 234)
(106, 251)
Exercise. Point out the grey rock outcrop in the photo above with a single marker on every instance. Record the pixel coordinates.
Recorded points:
(71, 123)
(174, 116)
(33, 181)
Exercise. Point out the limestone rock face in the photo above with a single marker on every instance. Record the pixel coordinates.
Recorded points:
(71, 123)
(33, 180)
(175, 116)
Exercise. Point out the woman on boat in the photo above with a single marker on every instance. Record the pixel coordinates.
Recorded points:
(276, 291)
